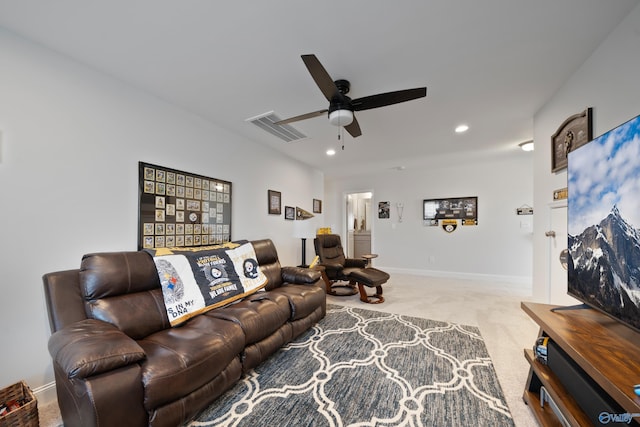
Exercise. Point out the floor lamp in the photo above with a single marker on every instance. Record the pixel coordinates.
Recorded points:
(303, 229)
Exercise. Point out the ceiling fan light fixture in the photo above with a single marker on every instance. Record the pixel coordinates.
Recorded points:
(526, 146)
(341, 117)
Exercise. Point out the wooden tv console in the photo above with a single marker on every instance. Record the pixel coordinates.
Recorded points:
(607, 350)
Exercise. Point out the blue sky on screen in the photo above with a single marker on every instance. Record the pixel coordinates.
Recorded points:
(603, 173)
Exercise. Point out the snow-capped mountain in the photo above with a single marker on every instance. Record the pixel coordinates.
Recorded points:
(604, 267)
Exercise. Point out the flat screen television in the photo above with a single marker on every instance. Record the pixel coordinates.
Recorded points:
(603, 211)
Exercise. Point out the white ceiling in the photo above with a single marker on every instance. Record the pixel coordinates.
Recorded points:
(491, 64)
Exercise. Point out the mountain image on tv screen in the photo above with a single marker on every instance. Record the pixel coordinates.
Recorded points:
(603, 219)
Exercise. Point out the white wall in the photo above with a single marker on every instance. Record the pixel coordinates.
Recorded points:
(608, 82)
(496, 249)
(71, 142)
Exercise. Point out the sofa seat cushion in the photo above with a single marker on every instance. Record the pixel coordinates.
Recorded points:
(183, 359)
(303, 299)
(258, 316)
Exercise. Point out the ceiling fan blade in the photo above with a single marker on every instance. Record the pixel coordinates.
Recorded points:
(302, 117)
(320, 76)
(354, 128)
(389, 98)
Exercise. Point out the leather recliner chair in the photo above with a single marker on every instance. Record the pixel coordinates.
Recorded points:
(339, 269)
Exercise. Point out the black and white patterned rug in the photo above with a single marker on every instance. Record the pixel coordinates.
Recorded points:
(362, 368)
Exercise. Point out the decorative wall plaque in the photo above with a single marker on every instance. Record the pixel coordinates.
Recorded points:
(561, 193)
(572, 133)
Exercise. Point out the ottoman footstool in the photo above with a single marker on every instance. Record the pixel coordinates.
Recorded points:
(372, 278)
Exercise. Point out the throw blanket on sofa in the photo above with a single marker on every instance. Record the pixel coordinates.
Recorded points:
(198, 279)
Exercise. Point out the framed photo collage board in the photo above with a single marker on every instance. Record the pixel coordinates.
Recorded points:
(178, 208)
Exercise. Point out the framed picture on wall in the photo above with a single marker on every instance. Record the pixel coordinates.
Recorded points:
(317, 206)
(383, 210)
(289, 212)
(275, 202)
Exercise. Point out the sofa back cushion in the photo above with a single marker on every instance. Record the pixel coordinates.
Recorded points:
(122, 288)
(267, 257)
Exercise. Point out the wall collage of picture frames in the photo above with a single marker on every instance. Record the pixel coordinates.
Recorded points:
(274, 207)
(179, 208)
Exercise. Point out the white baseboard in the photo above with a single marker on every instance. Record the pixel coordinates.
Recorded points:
(45, 394)
(523, 283)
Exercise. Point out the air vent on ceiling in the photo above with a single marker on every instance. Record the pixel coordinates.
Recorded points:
(267, 122)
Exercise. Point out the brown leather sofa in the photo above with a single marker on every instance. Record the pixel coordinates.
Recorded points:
(118, 362)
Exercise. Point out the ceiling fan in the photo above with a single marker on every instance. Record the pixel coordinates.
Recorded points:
(341, 107)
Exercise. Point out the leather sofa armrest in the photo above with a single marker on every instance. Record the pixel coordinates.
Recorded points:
(300, 275)
(91, 347)
(355, 262)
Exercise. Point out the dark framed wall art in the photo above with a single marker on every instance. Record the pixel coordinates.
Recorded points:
(289, 212)
(317, 206)
(179, 208)
(384, 210)
(274, 202)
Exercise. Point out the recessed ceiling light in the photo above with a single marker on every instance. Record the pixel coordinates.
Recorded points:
(331, 152)
(462, 128)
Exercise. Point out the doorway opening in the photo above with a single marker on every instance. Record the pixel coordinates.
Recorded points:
(359, 221)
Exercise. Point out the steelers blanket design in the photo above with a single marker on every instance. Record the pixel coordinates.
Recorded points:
(198, 279)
